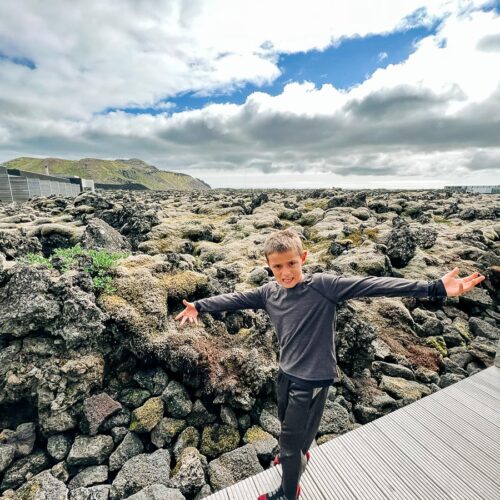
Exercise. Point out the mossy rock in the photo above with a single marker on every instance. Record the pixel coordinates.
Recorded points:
(183, 284)
(133, 397)
(256, 433)
(462, 327)
(146, 417)
(438, 343)
(217, 439)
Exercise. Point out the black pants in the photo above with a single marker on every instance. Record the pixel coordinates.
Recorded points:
(299, 411)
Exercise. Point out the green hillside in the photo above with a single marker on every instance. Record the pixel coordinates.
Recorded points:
(111, 172)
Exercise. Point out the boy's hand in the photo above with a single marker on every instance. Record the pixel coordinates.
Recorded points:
(190, 313)
(455, 287)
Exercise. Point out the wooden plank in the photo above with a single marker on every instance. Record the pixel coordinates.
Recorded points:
(471, 437)
(425, 460)
(356, 477)
(479, 394)
(492, 373)
(398, 465)
(380, 471)
(310, 489)
(267, 481)
(219, 495)
(477, 475)
(463, 400)
(363, 458)
(480, 421)
(486, 386)
(328, 478)
(246, 489)
(472, 400)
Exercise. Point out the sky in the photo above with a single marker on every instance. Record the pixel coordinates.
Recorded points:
(277, 93)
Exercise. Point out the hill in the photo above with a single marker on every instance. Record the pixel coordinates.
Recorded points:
(120, 172)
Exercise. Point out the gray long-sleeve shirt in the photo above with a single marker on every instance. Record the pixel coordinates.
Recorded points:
(304, 316)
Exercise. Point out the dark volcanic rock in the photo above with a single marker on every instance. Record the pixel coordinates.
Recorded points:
(96, 410)
(401, 244)
(14, 244)
(100, 235)
(141, 471)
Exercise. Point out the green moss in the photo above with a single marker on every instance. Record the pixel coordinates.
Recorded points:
(183, 284)
(254, 434)
(360, 235)
(218, 439)
(441, 220)
(145, 418)
(438, 343)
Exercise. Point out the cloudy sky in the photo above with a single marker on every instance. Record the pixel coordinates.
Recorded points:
(274, 93)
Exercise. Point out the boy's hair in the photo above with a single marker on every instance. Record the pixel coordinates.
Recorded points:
(283, 241)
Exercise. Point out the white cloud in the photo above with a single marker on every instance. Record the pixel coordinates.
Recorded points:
(437, 109)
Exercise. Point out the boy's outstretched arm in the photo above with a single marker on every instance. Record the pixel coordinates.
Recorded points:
(251, 299)
(341, 289)
(189, 314)
(455, 286)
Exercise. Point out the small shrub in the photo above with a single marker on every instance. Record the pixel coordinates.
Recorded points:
(34, 258)
(101, 263)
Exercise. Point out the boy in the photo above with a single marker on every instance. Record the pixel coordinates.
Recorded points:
(303, 310)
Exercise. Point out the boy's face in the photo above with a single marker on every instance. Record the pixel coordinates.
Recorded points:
(287, 267)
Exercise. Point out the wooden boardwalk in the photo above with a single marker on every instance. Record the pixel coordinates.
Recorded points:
(444, 446)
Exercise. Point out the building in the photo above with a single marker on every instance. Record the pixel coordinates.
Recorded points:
(19, 185)
(474, 189)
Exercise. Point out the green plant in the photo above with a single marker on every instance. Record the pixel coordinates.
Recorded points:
(34, 258)
(104, 284)
(68, 256)
(100, 264)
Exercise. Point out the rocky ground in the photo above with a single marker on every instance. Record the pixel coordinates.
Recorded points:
(102, 395)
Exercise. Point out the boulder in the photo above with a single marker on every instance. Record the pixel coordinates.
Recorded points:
(153, 380)
(128, 448)
(217, 439)
(176, 398)
(157, 492)
(89, 476)
(99, 235)
(58, 446)
(7, 453)
(483, 328)
(96, 410)
(22, 439)
(147, 417)
(43, 486)
(335, 419)
(188, 438)
(200, 416)
(16, 473)
(90, 450)
(264, 443)
(141, 471)
(401, 388)
(190, 471)
(100, 492)
(401, 243)
(233, 467)
(166, 431)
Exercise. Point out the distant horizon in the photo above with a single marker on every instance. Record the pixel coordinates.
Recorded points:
(292, 181)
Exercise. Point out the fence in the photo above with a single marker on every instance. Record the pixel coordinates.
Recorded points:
(19, 189)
